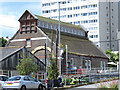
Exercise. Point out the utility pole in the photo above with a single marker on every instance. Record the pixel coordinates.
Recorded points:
(58, 60)
(59, 23)
(51, 45)
(56, 47)
(66, 47)
(45, 57)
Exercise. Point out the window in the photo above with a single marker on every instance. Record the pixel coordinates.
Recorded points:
(16, 78)
(75, 8)
(53, 3)
(69, 16)
(69, 1)
(32, 28)
(46, 4)
(32, 23)
(112, 45)
(26, 79)
(107, 22)
(64, 2)
(70, 8)
(23, 24)
(27, 28)
(23, 28)
(107, 14)
(83, 14)
(106, 8)
(107, 37)
(28, 42)
(107, 30)
(63, 9)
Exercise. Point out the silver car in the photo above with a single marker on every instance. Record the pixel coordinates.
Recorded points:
(22, 83)
(3, 78)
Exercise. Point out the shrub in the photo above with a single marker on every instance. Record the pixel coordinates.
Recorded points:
(113, 85)
(68, 80)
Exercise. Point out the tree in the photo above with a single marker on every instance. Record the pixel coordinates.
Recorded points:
(52, 70)
(114, 57)
(2, 42)
(27, 66)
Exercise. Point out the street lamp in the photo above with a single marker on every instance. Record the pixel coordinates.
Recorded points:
(119, 55)
(58, 43)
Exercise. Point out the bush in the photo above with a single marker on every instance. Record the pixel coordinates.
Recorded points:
(68, 80)
(113, 85)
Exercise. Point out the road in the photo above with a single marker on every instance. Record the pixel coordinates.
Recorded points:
(93, 86)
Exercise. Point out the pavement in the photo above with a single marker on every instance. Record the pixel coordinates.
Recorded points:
(97, 85)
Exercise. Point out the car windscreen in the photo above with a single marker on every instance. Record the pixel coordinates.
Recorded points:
(14, 78)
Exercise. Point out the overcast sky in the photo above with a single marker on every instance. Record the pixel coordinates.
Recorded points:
(10, 12)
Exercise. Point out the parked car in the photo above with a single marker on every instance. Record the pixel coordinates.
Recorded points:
(3, 78)
(22, 83)
(43, 81)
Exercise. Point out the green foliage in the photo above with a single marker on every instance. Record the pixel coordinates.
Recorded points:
(27, 66)
(110, 86)
(52, 70)
(104, 87)
(68, 80)
(113, 56)
(2, 42)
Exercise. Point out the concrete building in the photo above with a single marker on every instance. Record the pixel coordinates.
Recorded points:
(108, 25)
(99, 18)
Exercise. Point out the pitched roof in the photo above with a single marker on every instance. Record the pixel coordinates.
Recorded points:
(41, 18)
(77, 44)
(56, 22)
(7, 51)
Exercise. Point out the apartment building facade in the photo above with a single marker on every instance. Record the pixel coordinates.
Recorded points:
(99, 17)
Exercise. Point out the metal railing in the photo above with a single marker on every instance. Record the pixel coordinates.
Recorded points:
(93, 75)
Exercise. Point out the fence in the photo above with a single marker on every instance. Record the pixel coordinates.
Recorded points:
(93, 75)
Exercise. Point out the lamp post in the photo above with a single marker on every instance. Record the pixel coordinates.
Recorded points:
(119, 57)
(59, 21)
(58, 62)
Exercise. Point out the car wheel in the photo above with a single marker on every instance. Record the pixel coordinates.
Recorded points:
(40, 87)
(23, 88)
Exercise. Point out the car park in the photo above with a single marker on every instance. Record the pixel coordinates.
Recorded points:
(3, 78)
(22, 83)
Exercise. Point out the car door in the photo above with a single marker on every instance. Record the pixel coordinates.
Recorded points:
(27, 82)
(34, 83)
